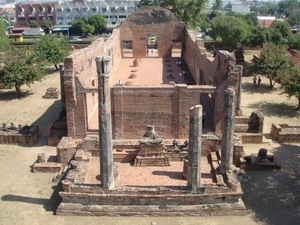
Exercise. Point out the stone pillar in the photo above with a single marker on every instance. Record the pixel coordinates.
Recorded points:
(195, 141)
(105, 130)
(227, 130)
(62, 89)
(239, 95)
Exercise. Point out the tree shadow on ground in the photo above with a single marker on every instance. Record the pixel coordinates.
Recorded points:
(270, 109)
(264, 88)
(274, 195)
(45, 120)
(51, 70)
(12, 94)
(48, 204)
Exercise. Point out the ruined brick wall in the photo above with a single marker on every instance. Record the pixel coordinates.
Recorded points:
(219, 70)
(166, 107)
(80, 73)
(171, 118)
(226, 75)
(151, 19)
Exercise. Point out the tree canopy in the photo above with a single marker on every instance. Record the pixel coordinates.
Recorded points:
(258, 36)
(46, 25)
(282, 27)
(98, 22)
(272, 59)
(20, 67)
(4, 42)
(294, 41)
(33, 23)
(229, 29)
(217, 5)
(52, 49)
(189, 12)
(290, 77)
(77, 24)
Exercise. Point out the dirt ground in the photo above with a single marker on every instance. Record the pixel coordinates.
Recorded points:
(271, 197)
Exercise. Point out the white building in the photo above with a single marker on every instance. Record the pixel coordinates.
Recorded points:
(114, 12)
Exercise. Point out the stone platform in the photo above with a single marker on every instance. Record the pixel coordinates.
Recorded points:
(155, 191)
(285, 133)
(26, 136)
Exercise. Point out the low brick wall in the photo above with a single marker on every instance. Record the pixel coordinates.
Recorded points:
(249, 127)
(285, 133)
(47, 167)
(66, 149)
(15, 137)
(155, 201)
(250, 138)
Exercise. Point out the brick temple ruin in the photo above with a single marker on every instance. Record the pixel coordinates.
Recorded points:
(115, 90)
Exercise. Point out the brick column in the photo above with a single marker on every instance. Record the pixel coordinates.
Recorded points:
(227, 130)
(182, 111)
(239, 95)
(195, 141)
(62, 90)
(105, 131)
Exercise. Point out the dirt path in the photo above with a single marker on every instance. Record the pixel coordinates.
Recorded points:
(272, 197)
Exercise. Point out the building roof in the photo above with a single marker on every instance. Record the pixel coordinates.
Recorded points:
(265, 21)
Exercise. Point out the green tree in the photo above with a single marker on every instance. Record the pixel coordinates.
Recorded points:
(282, 27)
(33, 23)
(4, 42)
(148, 3)
(294, 41)
(77, 24)
(98, 22)
(217, 5)
(52, 50)
(20, 67)
(189, 12)
(284, 7)
(230, 30)
(258, 36)
(46, 25)
(294, 16)
(88, 29)
(213, 14)
(252, 17)
(204, 25)
(268, 9)
(272, 59)
(290, 78)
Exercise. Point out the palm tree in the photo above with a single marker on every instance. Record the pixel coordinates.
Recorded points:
(217, 5)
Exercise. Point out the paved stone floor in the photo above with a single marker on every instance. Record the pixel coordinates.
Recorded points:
(148, 176)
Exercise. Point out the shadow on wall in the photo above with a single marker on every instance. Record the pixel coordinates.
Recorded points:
(45, 120)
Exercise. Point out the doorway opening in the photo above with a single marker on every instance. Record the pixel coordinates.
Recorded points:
(152, 45)
(127, 49)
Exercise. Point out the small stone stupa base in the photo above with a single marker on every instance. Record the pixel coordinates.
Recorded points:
(151, 150)
(151, 155)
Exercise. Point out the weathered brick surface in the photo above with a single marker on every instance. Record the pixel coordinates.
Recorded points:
(167, 108)
(47, 167)
(285, 133)
(13, 137)
(134, 107)
(66, 149)
(149, 201)
(80, 75)
(159, 21)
